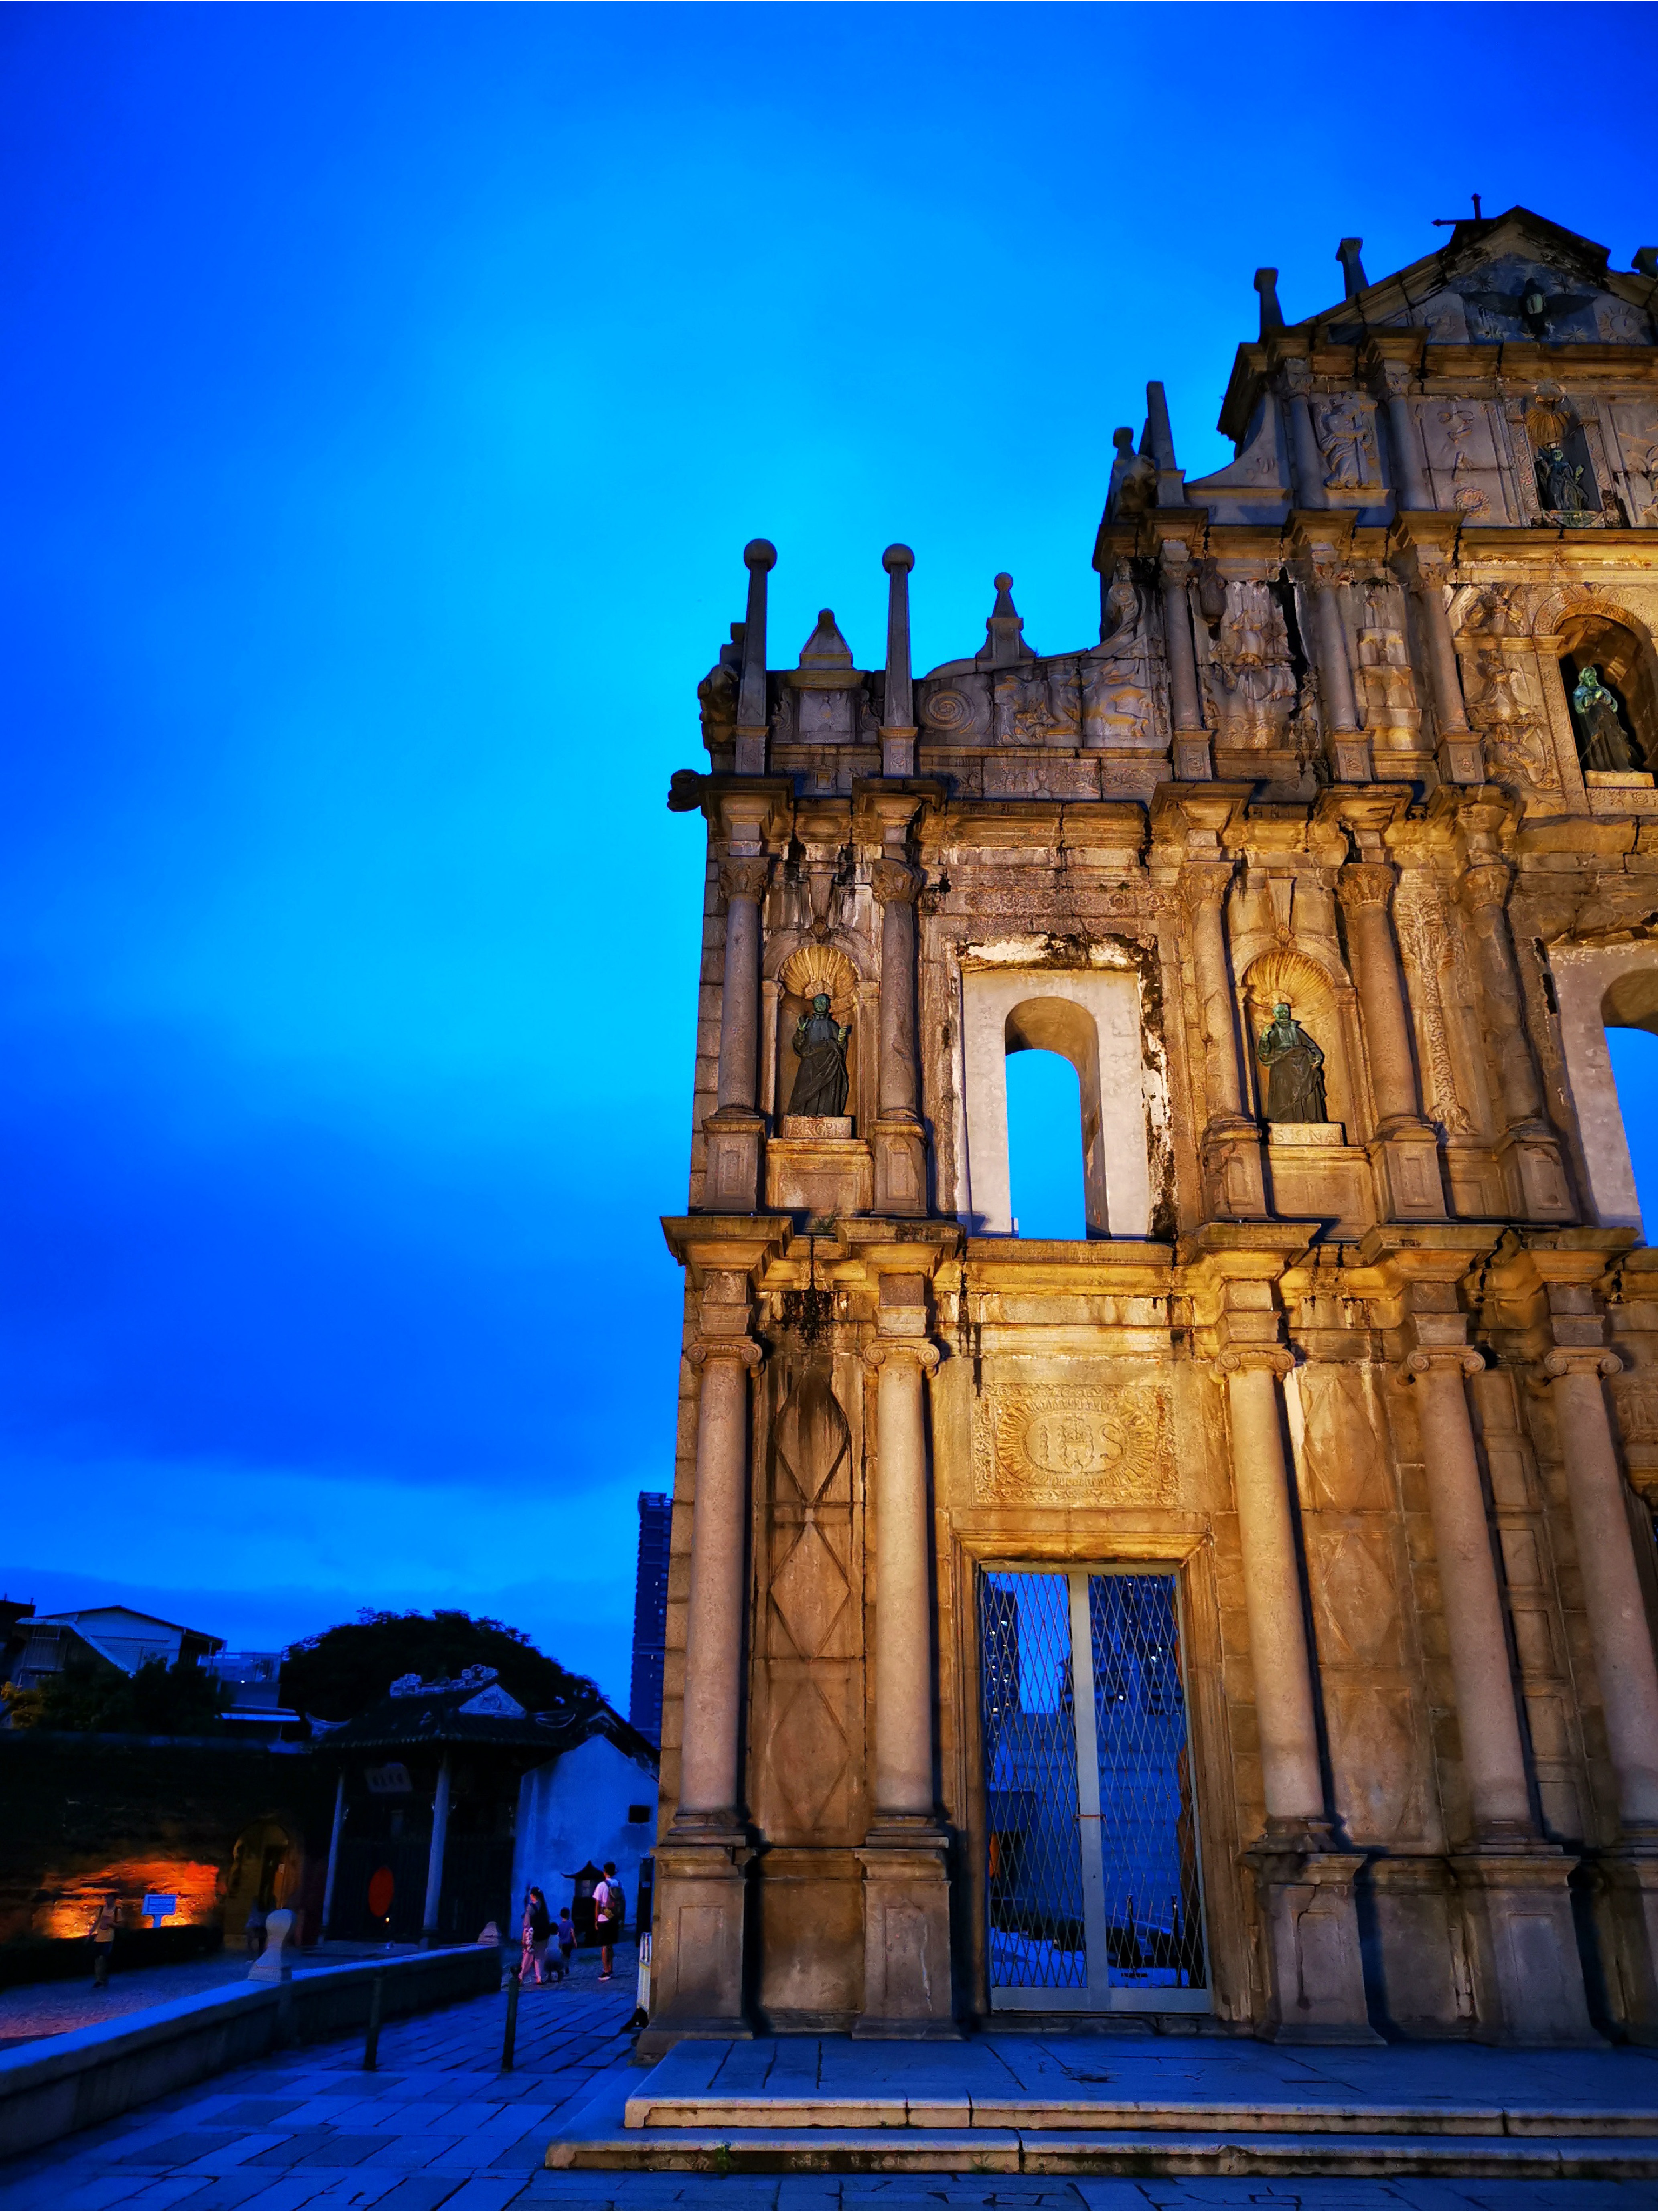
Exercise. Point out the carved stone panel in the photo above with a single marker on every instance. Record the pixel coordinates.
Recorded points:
(808, 1720)
(1061, 1444)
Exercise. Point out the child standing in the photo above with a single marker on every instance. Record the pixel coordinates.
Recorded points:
(566, 1934)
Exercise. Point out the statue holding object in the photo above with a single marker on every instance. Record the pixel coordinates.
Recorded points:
(820, 1046)
(1604, 742)
(1295, 1088)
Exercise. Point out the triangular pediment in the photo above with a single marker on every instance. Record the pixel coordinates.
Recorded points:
(1482, 288)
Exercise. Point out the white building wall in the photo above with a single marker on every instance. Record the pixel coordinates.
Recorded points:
(575, 1808)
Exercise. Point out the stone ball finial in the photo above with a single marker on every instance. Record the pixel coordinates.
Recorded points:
(760, 553)
(1004, 583)
(897, 559)
(1123, 439)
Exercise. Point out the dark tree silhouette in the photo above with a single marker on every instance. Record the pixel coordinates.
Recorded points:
(338, 1673)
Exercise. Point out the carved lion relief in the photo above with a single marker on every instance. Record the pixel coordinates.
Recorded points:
(1057, 1445)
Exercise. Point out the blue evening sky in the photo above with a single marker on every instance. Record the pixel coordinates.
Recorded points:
(386, 395)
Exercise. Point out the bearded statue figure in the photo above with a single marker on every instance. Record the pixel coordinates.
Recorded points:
(1295, 1088)
(820, 1046)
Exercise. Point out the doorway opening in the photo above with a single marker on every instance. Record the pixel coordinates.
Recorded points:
(1092, 1886)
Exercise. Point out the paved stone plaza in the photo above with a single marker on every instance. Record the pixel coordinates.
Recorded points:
(439, 2124)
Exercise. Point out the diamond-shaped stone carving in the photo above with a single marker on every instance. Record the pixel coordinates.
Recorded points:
(808, 1755)
(810, 1592)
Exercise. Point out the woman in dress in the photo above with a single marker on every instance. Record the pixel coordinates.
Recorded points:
(537, 1927)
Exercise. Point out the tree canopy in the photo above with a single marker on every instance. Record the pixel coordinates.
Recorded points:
(94, 1697)
(340, 1672)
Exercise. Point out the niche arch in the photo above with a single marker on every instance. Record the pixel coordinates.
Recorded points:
(1320, 1003)
(1062, 1026)
(796, 966)
(1594, 629)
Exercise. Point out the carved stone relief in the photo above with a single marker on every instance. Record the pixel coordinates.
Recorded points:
(1059, 1444)
(1464, 461)
(1243, 660)
(1425, 942)
(811, 1629)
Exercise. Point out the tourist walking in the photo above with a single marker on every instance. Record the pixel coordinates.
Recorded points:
(537, 1928)
(566, 1934)
(610, 1910)
(102, 1936)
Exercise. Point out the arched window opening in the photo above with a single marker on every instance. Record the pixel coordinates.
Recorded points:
(1044, 1143)
(1635, 1070)
(1612, 687)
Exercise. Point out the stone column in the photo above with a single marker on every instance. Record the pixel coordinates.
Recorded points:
(733, 1131)
(1624, 1660)
(714, 1627)
(1423, 546)
(334, 1835)
(898, 709)
(1486, 1718)
(907, 1975)
(434, 1862)
(1526, 1150)
(697, 1962)
(1306, 1888)
(1192, 760)
(1405, 1150)
(1348, 749)
(1625, 1668)
(1522, 1946)
(900, 1145)
(1231, 1138)
(1411, 489)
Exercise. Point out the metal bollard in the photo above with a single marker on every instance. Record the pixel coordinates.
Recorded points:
(508, 2047)
(371, 2047)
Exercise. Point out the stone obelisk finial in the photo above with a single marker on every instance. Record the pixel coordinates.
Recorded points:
(1160, 439)
(898, 709)
(1272, 315)
(760, 555)
(1352, 269)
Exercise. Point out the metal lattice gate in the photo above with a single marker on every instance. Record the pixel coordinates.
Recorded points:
(1092, 1886)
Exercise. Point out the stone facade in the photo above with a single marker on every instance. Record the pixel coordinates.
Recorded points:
(1376, 1393)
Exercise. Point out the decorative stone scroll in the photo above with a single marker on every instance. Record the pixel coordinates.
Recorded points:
(1060, 1444)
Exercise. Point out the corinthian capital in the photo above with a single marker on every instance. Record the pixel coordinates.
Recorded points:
(917, 1348)
(894, 882)
(1486, 883)
(744, 879)
(1205, 882)
(1364, 882)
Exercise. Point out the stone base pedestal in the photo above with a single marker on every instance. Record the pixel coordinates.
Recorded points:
(1460, 760)
(1350, 757)
(1313, 1962)
(698, 1938)
(900, 1150)
(1315, 1177)
(818, 1175)
(1626, 1909)
(1405, 1156)
(1522, 1947)
(1534, 1181)
(731, 1183)
(1232, 1173)
(1193, 764)
(1426, 1986)
(906, 1978)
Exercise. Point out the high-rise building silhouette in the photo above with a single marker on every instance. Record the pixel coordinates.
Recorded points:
(650, 1614)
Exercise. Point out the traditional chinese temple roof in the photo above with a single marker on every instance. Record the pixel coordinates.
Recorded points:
(474, 1710)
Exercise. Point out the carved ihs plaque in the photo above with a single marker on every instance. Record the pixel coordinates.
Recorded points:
(1059, 1444)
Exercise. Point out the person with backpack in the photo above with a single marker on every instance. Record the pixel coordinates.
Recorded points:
(538, 1928)
(609, 1916)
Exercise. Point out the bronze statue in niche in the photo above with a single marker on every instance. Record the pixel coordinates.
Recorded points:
(1295, 1085)
(820, 1046)
(1602, 741)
